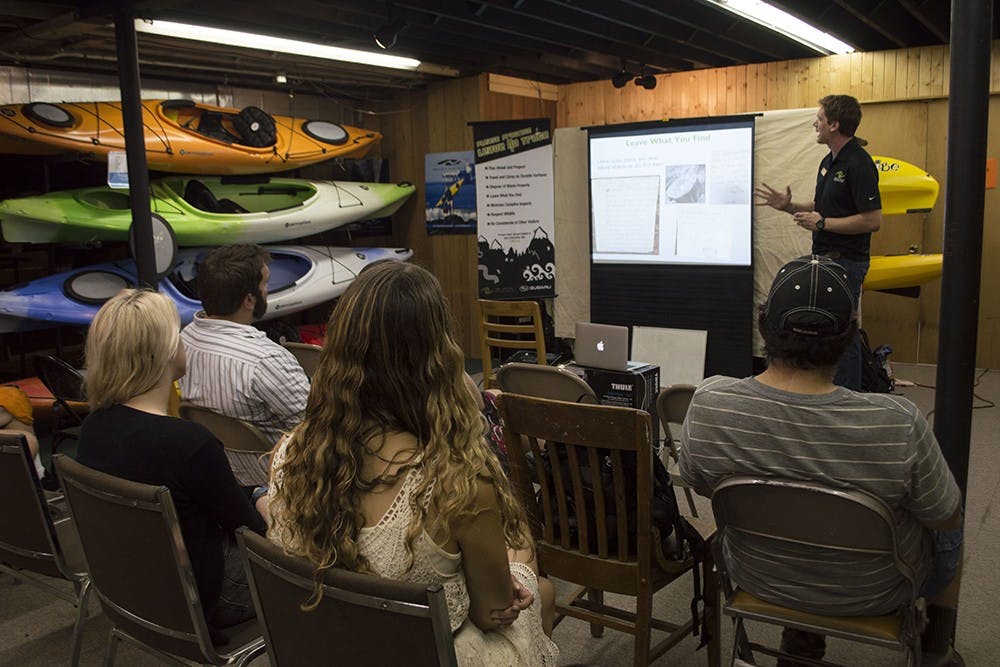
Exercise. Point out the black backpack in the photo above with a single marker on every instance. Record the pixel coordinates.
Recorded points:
(875, 377)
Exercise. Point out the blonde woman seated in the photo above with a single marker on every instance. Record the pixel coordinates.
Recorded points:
(133, 356)
(389, 472)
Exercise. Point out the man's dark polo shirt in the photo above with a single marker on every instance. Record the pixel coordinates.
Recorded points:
(846, 185)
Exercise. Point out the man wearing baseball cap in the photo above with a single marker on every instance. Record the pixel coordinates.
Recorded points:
(793, 422)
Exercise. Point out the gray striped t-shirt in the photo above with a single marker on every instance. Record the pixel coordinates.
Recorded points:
(878, 443)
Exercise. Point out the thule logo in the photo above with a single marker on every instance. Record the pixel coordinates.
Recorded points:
(621, 387)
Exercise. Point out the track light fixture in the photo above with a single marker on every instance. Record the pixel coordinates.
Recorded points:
(386, 36)
(642, 77)
(645, 79)
(621, 79)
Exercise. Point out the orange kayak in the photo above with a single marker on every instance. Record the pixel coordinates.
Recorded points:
(182, 136)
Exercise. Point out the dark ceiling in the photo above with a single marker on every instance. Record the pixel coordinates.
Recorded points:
(554, 41)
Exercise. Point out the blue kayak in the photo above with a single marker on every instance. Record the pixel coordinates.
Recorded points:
(301, 277)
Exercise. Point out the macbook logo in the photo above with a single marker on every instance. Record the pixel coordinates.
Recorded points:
(600, 346)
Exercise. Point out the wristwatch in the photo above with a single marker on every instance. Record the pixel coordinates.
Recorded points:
(821, 224)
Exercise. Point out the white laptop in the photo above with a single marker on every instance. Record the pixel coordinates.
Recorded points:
(602, 346)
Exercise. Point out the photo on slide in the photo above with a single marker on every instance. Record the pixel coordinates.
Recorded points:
(686, 184)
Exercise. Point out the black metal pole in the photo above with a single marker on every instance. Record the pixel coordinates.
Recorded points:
(135, 148)
(968, 115)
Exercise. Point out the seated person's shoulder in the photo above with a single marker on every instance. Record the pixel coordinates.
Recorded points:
(889, 402)
(717, 383)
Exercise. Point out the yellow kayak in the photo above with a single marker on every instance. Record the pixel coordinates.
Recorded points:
(182, 136)
(898, 271)
(905, 188)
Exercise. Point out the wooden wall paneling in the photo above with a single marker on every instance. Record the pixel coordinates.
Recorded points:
(644, 103)
(888, 87)
(988, 347)
(946, 70)
(613, 105)
(890, 129)
(755, 96)
(404, 130)
(867, 91)
(933, 236)
(777, 87)
(449, 107)
(741, 89)
(930, 80)
(700, 80)
(902, 72)
(665, 95)
(995, 67)
(798, 75)
(912, 73)
(840, 73)
(582, 104)
(721, 86)
(731, 89)
(855, 69)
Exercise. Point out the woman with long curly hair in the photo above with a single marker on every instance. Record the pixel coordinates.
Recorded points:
(389, 472)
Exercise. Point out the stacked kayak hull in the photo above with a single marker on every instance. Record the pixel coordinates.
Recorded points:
(301, 277)
(904, 187)
(203, 211)
(182, 136)
(900, 271)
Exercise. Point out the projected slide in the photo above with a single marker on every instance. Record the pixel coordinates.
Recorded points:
(672, 195)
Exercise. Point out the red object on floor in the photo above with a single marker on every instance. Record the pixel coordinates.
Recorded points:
(42, 400)
(34, 388)
(314, 334)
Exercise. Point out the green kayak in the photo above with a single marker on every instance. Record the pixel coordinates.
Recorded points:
(205, 210)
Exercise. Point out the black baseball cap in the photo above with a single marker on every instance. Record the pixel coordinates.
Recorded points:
(810, 297)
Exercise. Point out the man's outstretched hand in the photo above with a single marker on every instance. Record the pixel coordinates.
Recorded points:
(773, 198)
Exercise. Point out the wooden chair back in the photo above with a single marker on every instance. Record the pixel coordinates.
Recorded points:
(508, 325)
(574, 441)
(588, 531)
(353, 617)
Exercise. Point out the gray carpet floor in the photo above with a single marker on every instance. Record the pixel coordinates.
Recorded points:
(35, 627)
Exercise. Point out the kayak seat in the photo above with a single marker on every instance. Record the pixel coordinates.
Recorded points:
(211, 126)
(256, 127)
(202, 198)
(188, 288)
(229, 206)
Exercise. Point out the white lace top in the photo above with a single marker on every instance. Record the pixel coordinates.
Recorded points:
(384, 545)
(522, 644)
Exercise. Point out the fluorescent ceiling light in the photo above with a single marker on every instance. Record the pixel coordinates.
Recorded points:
(782, 22)
(269, 43)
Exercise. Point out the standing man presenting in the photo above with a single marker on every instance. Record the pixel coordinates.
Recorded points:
(844, 211)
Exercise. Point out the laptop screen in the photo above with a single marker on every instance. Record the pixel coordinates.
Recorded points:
(601, 346)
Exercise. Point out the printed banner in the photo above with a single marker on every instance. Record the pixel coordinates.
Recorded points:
(516, 216)
(450, 192)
